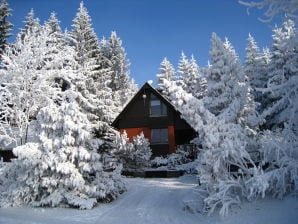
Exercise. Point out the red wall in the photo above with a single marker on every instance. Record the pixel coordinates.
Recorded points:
(131, 132)
(172, 143)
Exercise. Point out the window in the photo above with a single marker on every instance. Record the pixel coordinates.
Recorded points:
(159, 135)
(157, 108)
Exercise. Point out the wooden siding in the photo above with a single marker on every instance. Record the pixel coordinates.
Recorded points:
(136, 118)
(159, 149)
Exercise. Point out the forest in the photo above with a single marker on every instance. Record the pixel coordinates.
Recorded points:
(66, 87)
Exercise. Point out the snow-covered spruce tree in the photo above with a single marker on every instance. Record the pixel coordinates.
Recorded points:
(223, 147)
(167, 72)
(133, 155)
(119, 81)
(274, 8)
(228, 93)
(32, 25)
(89, 82)
(182, 69)
(65, 168)
(5, 25)
(280, 145)
(256, 70)
(193, 80)
(282, 75)
(24, 86)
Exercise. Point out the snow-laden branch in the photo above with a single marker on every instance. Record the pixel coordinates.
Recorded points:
(274, 7)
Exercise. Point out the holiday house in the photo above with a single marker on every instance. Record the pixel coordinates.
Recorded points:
(151, 113)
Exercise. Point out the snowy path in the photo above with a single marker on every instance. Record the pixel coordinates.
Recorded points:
(158, 201)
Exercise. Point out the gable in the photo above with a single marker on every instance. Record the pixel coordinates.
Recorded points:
(139, 111)
(138, 106)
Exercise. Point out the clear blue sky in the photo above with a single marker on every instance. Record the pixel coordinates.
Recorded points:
(153, 29)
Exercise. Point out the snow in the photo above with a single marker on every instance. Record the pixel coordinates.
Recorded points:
(156, 201)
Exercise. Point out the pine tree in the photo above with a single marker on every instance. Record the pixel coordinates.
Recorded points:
(119, 62)
(194, 81)
(182, 69)
(24, 82)
(252, 62)
(281, 86)
(65, 168)
(223, 147)
(32, 25)
(119, 81)
(95, 96)
(227, 90)
(167, 72)
(256, 70)
(5, 26)
(85, 41)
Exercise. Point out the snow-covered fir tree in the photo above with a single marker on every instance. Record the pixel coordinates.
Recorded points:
(135, 154)
(223, 148)
(106, 83)
(252, 62)
(288, 9)
(119, 63)
(5, 25)
(228, 93)
(194, 81)
(84, 39)
(65, 167)
(182, 69)
(122, 85)
(280, 145)
(167, 72)
(32, 25)
(256, 70)
(24, 84)
(282, 74)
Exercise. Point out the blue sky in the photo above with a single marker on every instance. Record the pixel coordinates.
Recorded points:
(153, 29)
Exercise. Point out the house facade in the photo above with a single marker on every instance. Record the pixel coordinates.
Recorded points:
(151, 113)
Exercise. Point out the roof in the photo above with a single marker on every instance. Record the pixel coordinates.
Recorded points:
(141, 91)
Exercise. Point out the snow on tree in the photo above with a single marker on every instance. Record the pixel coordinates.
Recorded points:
(282, 76)
(84, 39)
(119, 62)
(280, 157)
(167, 72)
(135, 154)
(100, 66)
(256, 70)
(280, 145)
(32, 25)
(96, 97)
(114, 55)
(228, 93)
(24, 86)
(274, 7)
(65, 167)
(223, 148)
(5, 26)
(194, 81)
(183, 65)
(252, 62)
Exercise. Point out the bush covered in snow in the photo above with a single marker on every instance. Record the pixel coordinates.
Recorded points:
(64, 168)
(171, 160)
(135, 154)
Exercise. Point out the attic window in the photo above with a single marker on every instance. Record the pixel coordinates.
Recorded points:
(157, 107)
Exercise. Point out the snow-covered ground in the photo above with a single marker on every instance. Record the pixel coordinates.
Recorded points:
(156, 201)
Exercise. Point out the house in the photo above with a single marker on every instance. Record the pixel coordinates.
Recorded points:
(153, 114)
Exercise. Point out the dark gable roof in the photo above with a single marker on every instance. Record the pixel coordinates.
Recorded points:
(138, 94)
